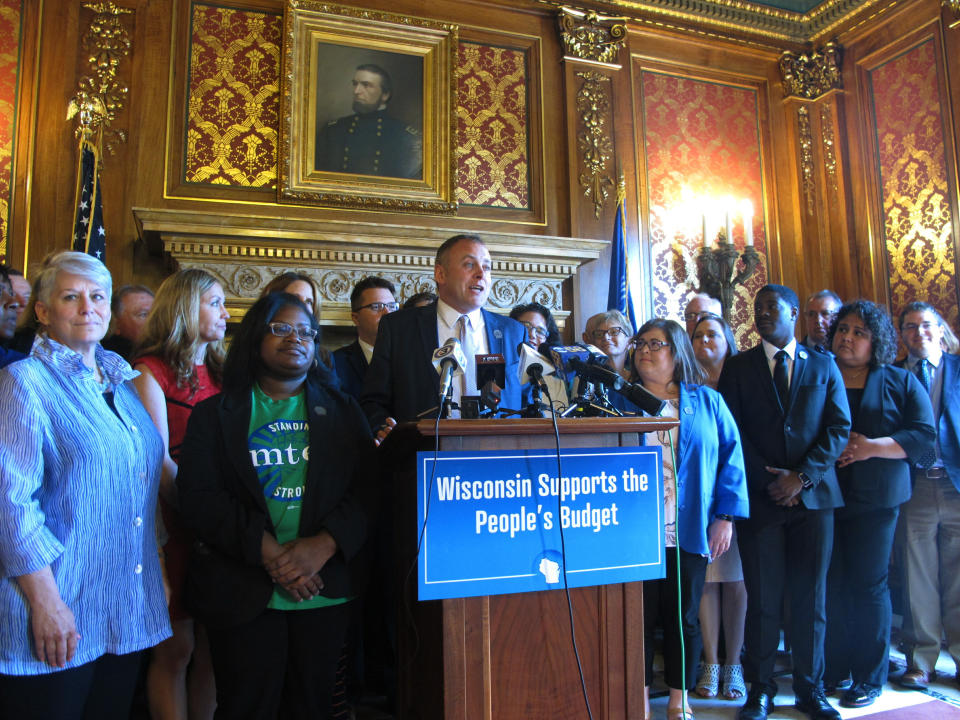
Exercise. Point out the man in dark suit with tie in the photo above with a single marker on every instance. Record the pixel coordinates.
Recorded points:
(791, 408)
(401, 382)
(371, 299)
(931, 518)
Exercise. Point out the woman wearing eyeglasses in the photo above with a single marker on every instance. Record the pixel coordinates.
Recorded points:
(612, 332)
(275, 480)
(180, 360)
(705, 489)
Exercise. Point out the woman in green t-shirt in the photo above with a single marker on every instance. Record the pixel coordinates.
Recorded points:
(275, 479)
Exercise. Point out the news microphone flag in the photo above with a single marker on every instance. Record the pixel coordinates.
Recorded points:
(619, 294)
(88, 232)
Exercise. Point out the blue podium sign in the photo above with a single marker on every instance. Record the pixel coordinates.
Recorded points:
(493, 519)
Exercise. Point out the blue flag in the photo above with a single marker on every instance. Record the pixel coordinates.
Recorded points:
(619, 295)
(88, 233)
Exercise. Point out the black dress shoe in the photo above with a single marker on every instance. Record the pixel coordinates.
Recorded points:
(859, 696)
(757, 706)
(816, 706)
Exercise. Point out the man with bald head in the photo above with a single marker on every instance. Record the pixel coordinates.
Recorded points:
(700, 304)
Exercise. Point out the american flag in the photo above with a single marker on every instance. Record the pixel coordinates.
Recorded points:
(88, 233)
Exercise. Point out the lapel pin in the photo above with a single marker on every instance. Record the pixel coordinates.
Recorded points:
(319, 410)
(497, 334)
(802, 354)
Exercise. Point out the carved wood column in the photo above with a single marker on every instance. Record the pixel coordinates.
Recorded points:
(823, 230)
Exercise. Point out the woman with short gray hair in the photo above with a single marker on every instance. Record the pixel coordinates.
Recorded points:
(81, 593)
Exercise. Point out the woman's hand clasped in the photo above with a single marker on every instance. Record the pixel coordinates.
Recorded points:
(719, 534)
(297, 566)
(859, 447)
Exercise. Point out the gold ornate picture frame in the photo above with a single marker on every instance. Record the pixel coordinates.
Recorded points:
(366, 110)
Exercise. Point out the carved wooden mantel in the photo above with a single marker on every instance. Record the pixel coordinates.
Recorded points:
(245, 251)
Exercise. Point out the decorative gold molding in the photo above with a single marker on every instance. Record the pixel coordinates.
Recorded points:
(952, 5)
(734, 18)
(829, 148)
(806, 157)
(589, 36)
(809, 76)
(101, 96)
(246, 251)
(593, 106)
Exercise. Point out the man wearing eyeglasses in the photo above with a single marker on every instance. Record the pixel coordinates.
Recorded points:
(931, 517)
(612, 333)
(700, 304)
(371, 299)
(822, 308)
(402, 383)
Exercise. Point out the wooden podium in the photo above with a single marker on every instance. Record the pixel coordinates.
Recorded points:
(511, 657)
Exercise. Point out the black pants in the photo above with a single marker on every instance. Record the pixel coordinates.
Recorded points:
(282, 663)
(786, 551)
(858, 598)
(660, 603)
(99, 690)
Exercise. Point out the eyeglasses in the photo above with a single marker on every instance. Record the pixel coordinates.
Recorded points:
(914, 327)
(654, 345)
(282, 329)
(614, 332)
(380, 306)
(535, 330)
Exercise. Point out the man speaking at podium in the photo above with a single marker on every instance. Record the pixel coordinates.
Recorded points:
(402, 382)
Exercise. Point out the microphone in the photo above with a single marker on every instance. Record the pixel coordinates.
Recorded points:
(490, 395)
(563, 354)
(533, 366)
(597, 374)
(449, 361)
(642, 398)
(491, 368)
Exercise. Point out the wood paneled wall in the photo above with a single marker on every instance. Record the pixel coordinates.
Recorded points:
(824, 187)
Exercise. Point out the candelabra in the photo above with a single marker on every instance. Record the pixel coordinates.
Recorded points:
(716, 267)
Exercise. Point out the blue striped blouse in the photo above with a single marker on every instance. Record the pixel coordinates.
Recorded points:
(78, 492)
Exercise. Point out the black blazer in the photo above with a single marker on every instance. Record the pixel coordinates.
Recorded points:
(401, 381)
(947, 421)
(807, 438)
(222, 501)
(351, 365)
(895, 405)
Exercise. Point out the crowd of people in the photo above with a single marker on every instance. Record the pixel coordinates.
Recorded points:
(199, 518)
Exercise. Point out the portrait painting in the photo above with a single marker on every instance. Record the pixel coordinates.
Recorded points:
(367, 118)
(369, 112)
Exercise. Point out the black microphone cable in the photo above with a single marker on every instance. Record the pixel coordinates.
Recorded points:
(563, 557)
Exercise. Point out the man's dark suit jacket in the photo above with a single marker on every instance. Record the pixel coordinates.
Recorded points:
(947, 421)
(895, 405)
(351, 368)
(401, 381)
(222, 500)
(807, 438)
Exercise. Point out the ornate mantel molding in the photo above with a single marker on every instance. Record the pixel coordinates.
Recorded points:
(587, 35)
(245, 251)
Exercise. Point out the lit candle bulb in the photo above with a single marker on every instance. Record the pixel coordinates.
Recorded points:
(706, 238)
(747, 209)
(729, 229)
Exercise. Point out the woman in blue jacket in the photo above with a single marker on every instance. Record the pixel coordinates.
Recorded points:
(892, 429)
(701, 499)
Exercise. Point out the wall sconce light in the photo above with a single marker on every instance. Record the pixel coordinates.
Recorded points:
(716, 265)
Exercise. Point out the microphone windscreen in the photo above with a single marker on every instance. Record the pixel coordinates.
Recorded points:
(528, 357)
(451, 352)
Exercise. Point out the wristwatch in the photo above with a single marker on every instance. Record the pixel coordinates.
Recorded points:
(724, 516)
(805, 479)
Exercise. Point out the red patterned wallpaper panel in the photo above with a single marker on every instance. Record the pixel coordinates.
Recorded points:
(234, 102)
(702, 146)
(234, 97)
(10, 12)
(913, 178)
(491, 135)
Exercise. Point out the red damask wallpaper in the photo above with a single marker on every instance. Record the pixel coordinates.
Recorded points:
(702, 148)
(234, 102)
(234, 97)
(491, 136)
(10, 13)
(913, 177)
